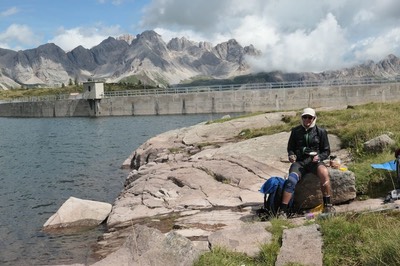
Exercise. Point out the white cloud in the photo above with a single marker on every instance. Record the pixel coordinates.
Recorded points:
(181, 14)
(17, 36)
(9, 12)
(379, 47)
(114, 2)
(167, 35)
(306, 50)
(68, 39)
(363, 16)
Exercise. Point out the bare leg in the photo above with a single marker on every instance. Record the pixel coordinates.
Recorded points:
(286, 197)
(323, 175)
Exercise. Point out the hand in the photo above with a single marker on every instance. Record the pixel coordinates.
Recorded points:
(316, 159)
(292, 158)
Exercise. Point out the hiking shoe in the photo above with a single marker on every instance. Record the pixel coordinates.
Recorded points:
(282, 215)
(328, 209)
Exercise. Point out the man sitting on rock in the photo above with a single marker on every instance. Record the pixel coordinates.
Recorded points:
(308, 146)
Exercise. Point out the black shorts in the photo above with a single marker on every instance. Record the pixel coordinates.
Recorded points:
(301, 168)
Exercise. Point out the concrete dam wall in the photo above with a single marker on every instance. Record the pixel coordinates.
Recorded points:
(228, 101)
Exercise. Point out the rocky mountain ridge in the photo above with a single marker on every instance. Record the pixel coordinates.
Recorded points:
(149, 59)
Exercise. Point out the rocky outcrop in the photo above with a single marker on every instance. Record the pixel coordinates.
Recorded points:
(147, 246)
(379, 143)
(202, 182)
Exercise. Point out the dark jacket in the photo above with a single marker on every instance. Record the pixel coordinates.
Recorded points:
(302, 141)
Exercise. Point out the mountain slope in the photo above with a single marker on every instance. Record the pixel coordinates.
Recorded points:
(147, 57)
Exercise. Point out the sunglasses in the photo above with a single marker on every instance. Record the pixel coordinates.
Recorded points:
(307, 117)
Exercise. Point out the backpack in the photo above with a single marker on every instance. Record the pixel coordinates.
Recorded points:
(273, 191)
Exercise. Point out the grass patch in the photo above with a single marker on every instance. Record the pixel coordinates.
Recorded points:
(221, 256)
(222, 120)
(175, 150)
(362, 239)
(21, 93)
(253, 133)
(34, 92)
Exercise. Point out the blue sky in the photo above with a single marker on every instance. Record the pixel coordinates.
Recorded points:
(293, 35)
(68, 23)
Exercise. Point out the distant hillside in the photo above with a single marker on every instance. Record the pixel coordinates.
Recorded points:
(389, 67)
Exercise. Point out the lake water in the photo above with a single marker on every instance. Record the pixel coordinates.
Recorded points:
(44, 161)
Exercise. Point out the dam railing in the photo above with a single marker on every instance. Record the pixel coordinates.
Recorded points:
(215, 88)
(253, 86)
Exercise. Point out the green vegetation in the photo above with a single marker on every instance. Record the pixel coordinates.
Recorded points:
(362, 239)
(127, 84)
(133, 84)
(243, 79)
(19, 93)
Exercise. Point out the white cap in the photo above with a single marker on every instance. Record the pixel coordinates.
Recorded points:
(308, 111)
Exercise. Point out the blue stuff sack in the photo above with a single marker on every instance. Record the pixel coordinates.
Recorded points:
(273, 190)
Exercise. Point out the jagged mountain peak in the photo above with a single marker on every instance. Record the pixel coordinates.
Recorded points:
(126, 37)
(111, 42)
(251, 50)
(391, 57)
(230, 50)
(48, 48)
(180, 44)
(149, 35)
(49, 51)
(205, 45)
(109, 51)
(80, 48)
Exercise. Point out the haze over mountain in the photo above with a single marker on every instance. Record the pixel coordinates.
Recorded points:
(149, 59)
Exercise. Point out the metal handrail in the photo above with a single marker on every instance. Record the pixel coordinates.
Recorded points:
(252, 86)
(217, 88)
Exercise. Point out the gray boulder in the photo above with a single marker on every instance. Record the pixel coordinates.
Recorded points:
(379, 143)
(308, 192)
(78, 213)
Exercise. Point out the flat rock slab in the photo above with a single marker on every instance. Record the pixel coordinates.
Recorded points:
(302, 246)
(369, 205)
(77, 212)
(247, 238)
